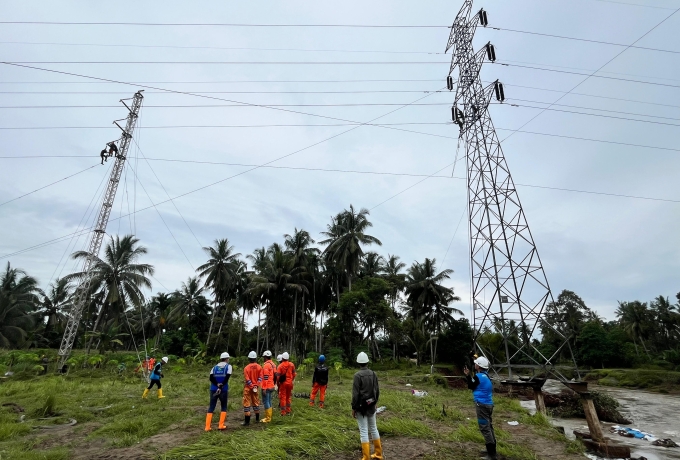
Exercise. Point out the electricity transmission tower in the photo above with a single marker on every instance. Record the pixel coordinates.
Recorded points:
(97, 237)
(509, 286)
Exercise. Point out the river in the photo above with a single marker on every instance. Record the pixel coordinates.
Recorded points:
(654, 413)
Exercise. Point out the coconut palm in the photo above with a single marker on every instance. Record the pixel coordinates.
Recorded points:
(219, 272)
(392, 273)
(18, 299)
(634, 317)
(53, 305)
(372, 264)
(189, 306)
(345, 237)
(116, 277)
(298, 246)
(427, 297)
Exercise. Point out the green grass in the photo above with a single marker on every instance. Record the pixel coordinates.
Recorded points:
(111, 414)
(637, 378)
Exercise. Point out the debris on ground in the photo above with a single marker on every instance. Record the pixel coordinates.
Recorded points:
(513, 423)
(419, 393)
(668, 442)
(70, 422)
(301, 395)
(380, 409)
(409, 385)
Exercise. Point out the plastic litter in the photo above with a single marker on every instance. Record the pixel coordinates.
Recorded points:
(409, 385)
(419, 393)
(513, 423)
(380, 409)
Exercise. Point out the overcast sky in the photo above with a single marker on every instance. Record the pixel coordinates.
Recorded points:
(605, 248)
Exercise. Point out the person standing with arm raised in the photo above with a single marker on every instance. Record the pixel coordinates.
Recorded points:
(482, 392)
(365, 395)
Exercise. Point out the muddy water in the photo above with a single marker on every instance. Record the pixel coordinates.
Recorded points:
(653, 413)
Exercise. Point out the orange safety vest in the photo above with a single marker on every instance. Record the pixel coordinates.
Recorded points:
(253, 375)
(268, 371)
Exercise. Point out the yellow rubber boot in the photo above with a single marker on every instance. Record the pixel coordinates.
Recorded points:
(365, 451)
(160, 394)
(146, 393)
(208, 421)
(377, 450)
(267, 416)
(223, 418)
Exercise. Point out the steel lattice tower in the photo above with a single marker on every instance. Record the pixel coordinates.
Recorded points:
(509, 286)
(97, 237)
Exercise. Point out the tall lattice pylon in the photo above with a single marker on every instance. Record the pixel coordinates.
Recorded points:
(509, 286)
(99, 229)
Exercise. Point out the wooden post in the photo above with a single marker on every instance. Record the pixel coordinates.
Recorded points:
(539, 400)
(591, 417)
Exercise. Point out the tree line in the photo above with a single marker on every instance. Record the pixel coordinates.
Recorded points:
(334, 295)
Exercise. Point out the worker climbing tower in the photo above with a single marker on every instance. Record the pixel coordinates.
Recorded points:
(99, 230)
(509, 287)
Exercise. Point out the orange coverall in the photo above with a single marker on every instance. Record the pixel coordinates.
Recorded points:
(285, 376)
(252, 374)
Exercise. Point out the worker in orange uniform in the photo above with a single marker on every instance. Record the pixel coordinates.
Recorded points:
(268, 375)
(253, 379)
(319, 382)
(285, 375)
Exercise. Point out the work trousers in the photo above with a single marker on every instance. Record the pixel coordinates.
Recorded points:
(321, 389)
(267, 398)
(222, 398)
(484, 413)
(285, 393)
(154, 382)
(250, 399)
(368, 430)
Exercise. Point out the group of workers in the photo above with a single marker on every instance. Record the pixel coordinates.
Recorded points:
(270, 377)
(109, 151)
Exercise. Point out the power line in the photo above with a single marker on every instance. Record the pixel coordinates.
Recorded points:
(235, 62)
(226, 92)
(224, 81)
(204, 24)
(48, 185)
(593, 73)
(600, 42)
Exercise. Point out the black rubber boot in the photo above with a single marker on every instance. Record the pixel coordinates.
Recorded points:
(491, 452)
(257, 417)
(246, 421)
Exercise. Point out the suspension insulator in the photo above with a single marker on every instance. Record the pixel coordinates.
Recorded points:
(491, 52)
(483, 19)
(457, 116)
(449, 82)
(498, 88)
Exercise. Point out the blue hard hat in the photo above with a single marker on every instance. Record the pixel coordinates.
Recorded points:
(322, 358)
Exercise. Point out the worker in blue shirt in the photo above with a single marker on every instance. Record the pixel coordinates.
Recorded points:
(482, 392)
(155, 378)
(219, 390)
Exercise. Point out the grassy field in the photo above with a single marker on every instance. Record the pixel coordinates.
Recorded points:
(648, 379)
(114, 422)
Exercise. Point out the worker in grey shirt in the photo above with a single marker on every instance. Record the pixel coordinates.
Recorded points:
(365, 395)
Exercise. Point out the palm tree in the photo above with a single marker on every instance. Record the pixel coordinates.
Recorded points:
(393, 274)
(428, 299)
(117, 277)
(372, 264)
(189, 306)
(297, 246)
(156, 315)
(219, 272)
(54, 304)
(634, 317)
(345, 237)
(18, 299)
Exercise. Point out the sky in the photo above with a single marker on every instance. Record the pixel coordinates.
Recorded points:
(287, 97)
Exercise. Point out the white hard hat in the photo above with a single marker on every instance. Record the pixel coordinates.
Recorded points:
(362, 358)
(224, 355)
(252, 355)
(267, 353)
(482, 362)
(279, 358)
(165, 359)
(285, 355)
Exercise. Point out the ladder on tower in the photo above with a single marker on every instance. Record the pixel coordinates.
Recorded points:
(83, 291)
